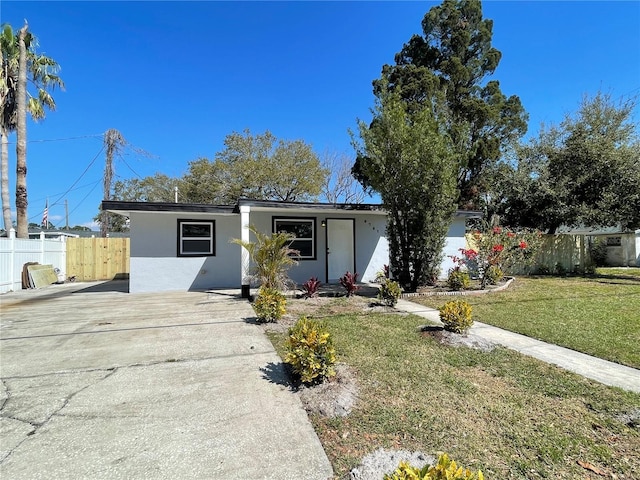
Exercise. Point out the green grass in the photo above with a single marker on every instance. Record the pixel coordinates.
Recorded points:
(619, 271)
(509, 415)
(597, 316)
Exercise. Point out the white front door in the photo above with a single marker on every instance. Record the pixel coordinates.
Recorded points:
(340, 248)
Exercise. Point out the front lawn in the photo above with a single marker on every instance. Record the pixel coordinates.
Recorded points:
(598, 316)
(510, 415)
(623, 271)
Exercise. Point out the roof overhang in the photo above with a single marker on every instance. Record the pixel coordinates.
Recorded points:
(309, 207)
(126, 208)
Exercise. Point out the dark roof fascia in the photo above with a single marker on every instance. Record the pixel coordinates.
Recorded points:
(124, 208)
(366, 207)
(120, 207)
(469, 213)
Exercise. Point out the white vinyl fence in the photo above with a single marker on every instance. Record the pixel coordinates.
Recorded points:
(15, 252)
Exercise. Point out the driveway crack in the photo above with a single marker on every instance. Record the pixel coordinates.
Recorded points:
(37, 426)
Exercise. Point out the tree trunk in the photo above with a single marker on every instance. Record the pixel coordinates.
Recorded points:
(21, 146)
(4, 173)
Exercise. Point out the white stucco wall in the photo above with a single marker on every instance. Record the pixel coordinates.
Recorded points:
(155, 265)
(455, 241)
(371, 251)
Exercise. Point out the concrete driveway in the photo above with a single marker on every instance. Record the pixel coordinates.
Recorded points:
(97, 383)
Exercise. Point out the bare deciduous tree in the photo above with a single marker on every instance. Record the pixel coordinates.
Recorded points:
(340, 186)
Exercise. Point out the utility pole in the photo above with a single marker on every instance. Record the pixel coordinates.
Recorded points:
(66, 214)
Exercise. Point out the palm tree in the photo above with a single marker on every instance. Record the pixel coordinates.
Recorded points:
(272, 256)
(20, 63)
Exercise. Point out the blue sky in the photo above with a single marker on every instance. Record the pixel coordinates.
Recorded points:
(176, 77)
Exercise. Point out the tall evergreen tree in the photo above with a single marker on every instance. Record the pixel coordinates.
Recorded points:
(408, 158)
(454, 57)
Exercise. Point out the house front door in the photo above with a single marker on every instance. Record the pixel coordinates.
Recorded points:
(340, 248)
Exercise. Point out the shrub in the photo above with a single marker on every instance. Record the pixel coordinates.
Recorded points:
(382, 274)
(501, 247)
(309, 351)
(348, 281)
(494, 274)
(310, 287)
(456, 316)
(269, 305)
(272, 257)
(458, 279)
(560, 270)
(445, 469)
(542, 270)
(590, 268)
(598, 252)
(389, 292)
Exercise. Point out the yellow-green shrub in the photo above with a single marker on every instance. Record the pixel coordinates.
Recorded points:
(269, 305)
(493, 274)
(445, 469)
(456, 316)
(458, 280)
(310, 351)
(389, 292)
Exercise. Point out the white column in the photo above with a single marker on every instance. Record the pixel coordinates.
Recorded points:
(244, 256)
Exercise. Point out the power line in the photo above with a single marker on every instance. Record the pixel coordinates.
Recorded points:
(82, 175)
(58, 193)
(59, 139)
(83, 199)
(94, 184)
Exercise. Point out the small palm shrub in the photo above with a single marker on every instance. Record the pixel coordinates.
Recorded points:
(445, 469)
(456, 316)
(272, 257)
(458, 279)
(310, 351)
(269, 305)
(348, 281)
(310, 287)
(389, 292)
(493, 274)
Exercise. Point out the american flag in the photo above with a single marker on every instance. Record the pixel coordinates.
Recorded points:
(45, 215)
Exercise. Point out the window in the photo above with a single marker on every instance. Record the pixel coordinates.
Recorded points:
(614, 241)
(196, 238)
(304, 229)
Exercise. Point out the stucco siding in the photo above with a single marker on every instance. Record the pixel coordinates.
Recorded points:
(155, 264)
(455, 241)
(372, 248)
(371, 251)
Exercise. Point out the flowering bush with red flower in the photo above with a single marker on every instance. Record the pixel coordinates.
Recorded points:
(500, 248)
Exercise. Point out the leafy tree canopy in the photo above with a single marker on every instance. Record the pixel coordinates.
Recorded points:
(452, 58)
(256, 166)
(586, 171)
(156, 188)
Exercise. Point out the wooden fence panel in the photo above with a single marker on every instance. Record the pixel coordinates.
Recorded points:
(569, 252)
(91, 259)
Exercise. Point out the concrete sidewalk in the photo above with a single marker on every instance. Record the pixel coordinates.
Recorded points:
(609, 373)
(100, 384)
